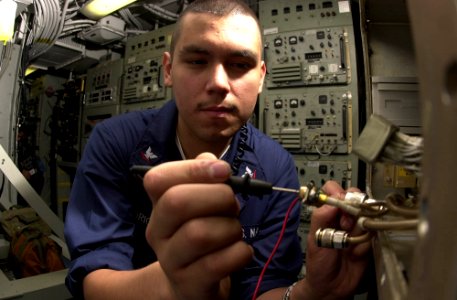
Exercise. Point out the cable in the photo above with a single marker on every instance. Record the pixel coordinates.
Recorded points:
(160, 12)
(275, 248)
(381, 141)
(354, 203)
(366, 209)
(80, 22)
(123, 14)
(355, 211)
(324, 154)
(129, 18)
(373, 209)
(352, 240)
(75, 26)
(5, 57)
(338, 239)
(3, 185)
(246, 185)
(403, 150)
(243, 185)
(48, 25)
(371, 224)
(407, 212)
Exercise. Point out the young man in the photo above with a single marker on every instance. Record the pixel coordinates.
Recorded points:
(185, 235)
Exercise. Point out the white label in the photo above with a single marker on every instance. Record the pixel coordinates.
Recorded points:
(311, 32)
(313, 69)
(268, 31)
(332, 68)
(313, 164)
(344, 7)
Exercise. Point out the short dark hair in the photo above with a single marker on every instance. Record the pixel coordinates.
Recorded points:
(219, 8)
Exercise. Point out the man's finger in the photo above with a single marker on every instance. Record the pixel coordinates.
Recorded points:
(200, 237)
(183, 202)
(202, 170)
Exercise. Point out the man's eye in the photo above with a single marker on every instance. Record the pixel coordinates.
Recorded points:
(196, 62)
(241, 65)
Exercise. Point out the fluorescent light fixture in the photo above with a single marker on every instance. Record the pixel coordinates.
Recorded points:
(32, 68)
(96, 9)
(7, 17)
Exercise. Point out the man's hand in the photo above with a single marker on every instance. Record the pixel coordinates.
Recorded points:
(330, 273)
(193, 227)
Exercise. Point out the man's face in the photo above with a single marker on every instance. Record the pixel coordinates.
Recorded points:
(216, 73)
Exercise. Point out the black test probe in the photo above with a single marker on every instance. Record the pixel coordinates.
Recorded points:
(243, 185)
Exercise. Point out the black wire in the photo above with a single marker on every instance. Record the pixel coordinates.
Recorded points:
(240, 149)
(3, 185)
(180, 7)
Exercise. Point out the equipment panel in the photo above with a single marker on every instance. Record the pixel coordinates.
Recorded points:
(310, 103)
(310, 169)
(125, 108)
(103, 84)
(319, 171)
(143, 78)
(316, 122)
(307, 57)
(92, 116)
(282, 16)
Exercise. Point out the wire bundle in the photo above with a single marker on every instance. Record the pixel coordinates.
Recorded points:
(73, 26)
(161, 12)
(403, 150)
(5, 57)
(130, 19)
(381, 141)
(46, 26)
(395, 212)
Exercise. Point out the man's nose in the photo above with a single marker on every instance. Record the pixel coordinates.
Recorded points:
(219, 79)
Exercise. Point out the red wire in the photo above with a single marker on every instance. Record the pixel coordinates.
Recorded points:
(281, 234)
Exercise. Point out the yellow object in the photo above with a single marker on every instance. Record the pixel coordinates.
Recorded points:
(7, 17)
(96, 9)
(33, 67)
(404, 178)
(399, 177)
(30, 70)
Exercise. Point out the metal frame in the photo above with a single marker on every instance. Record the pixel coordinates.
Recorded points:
(434, 268)
(44, 286)
(16, 178)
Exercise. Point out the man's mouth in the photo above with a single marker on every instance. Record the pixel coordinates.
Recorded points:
(220, 109)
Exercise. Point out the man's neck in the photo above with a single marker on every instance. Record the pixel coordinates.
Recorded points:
(191, 148)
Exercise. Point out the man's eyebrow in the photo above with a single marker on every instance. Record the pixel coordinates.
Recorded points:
(245, 53)
(195, 49)
(191, 49)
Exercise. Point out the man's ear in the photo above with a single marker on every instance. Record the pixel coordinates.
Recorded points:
(263, 68)
(166, 63)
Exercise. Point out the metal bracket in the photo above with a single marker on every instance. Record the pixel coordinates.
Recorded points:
(23, 187)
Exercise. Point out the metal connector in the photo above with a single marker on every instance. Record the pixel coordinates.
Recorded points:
(331, 238)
